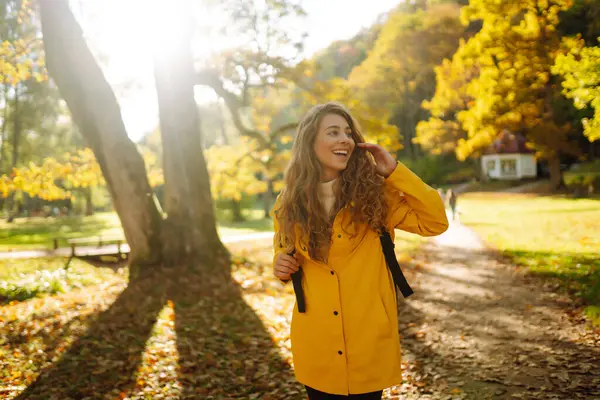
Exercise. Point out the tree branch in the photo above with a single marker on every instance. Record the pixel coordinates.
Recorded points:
(274, 134)
(211, 79)
(246, 86)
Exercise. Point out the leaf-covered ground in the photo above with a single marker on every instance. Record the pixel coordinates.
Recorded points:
(172, 335)
(473, 330)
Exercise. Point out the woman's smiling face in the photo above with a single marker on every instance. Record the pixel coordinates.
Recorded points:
(333, 145)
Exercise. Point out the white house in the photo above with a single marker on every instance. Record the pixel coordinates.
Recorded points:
(509, 158)
(509, 166)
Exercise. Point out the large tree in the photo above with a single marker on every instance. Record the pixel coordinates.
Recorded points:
(508, 84)
(187, 232)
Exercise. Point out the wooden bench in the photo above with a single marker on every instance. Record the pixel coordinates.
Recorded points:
(98, 242)
(95, 247)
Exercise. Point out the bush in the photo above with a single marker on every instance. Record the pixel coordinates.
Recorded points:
(443, 169)
(42, 281)
(22, 279)
(461, 175)
(245, 203)
(583, 179)
(225, 210)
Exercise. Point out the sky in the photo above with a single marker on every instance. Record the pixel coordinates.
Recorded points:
(121, 42)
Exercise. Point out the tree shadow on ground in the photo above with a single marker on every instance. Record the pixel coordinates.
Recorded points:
(477, 328)
(217, 334)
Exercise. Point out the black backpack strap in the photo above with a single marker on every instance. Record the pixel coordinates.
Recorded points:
(298, 290)
(390, 258)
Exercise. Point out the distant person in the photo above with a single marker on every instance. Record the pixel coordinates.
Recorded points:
(342, 198)
(451, 198)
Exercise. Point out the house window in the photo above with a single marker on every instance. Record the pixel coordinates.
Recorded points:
(490, 165)
(508, 167)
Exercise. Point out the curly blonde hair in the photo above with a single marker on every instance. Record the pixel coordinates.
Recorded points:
(358, 186)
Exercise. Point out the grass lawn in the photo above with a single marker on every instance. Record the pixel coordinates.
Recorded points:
(38, 233)
(495, 185)
(553, 236)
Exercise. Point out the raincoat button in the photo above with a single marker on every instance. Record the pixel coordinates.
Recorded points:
(332, 273)
(335, 313)
(339, 236)
(339, 352)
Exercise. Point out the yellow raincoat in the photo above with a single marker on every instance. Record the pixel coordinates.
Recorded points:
(347, 341)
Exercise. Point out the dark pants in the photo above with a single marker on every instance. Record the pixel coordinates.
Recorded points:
(314, 394)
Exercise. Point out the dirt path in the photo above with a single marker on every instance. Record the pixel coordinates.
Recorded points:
(477, 328)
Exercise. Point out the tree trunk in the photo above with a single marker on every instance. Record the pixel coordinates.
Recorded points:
(16, 129)
(556, 177)
(268, 198)
(222, 122)
(401, 120)
(4, 134)
(236, 210)
(96, 112)
(191, 223)
(89, 205)
(15, 152)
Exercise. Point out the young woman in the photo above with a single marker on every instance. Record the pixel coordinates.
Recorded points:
(340, 195)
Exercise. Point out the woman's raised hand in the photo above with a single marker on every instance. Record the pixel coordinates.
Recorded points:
(386, 164)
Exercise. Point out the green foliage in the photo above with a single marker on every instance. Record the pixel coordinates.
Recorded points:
(43, 282)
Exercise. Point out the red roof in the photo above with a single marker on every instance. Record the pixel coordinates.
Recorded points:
(508, 143)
